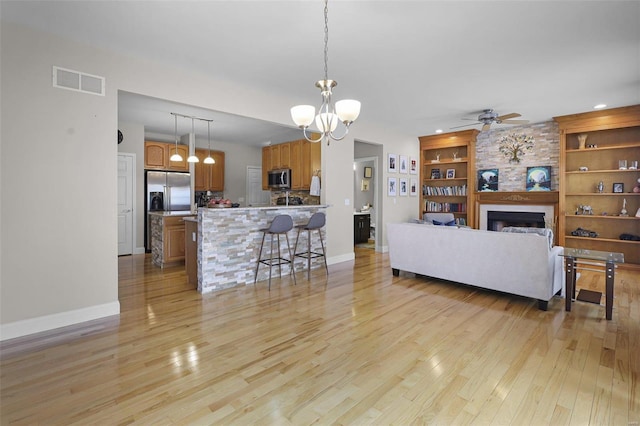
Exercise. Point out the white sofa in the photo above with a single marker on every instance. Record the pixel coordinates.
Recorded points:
(516, 263)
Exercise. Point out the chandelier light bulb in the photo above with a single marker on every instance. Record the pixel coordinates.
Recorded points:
(303, 115)
(326, 122)
(348, 110)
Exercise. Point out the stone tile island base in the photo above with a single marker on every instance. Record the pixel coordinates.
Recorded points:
(229, 243)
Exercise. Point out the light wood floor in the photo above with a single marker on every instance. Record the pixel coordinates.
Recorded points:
(362, 347)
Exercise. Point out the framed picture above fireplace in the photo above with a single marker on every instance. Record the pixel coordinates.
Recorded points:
(538, 178)
(487, 180)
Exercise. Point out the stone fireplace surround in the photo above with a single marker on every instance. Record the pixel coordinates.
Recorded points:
(532, 201)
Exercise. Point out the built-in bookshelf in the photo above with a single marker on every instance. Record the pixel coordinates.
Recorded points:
(596, 187)
(446, 171)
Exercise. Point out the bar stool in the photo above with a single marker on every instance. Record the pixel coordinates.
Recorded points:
(280, 224)
(316, 222)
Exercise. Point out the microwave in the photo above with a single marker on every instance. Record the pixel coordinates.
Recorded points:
(280, 179)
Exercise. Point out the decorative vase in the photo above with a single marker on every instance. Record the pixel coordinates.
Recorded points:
(582, 139)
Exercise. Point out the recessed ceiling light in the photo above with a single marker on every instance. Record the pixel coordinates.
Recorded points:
(600, 106)
(438, 130)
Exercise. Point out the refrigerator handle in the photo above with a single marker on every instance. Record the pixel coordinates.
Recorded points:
(167, 198)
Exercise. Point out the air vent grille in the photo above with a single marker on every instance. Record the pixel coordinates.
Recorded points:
(78, 81)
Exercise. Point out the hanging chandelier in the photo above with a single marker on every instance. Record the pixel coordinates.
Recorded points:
(345, 111)
(176, 156)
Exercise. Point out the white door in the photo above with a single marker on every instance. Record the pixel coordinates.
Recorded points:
(255, 195)
(126, 189)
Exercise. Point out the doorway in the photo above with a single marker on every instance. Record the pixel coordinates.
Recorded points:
(256, 196)
(126, 203)
(366, 194)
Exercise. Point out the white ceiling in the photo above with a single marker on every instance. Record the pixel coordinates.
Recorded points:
(415, 65)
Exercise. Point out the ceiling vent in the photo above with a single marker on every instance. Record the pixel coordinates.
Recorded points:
(80, 82)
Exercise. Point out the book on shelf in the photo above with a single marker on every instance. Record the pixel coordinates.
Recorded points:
(460, 190)
(435, 207)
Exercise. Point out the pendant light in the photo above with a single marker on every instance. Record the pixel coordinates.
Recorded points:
(192, 142)
(176, 156)
(345, 111)
(209, 159)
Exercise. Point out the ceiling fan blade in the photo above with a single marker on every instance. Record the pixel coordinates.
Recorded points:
(508, 116)
(486, 127)
(514, 121)
(465, 125)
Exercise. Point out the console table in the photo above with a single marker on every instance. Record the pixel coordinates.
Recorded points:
(575, 257)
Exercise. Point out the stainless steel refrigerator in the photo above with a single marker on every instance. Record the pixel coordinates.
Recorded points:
(165, 191)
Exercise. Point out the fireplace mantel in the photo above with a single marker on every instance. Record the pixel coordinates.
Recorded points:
(519, 198)
(529, 197)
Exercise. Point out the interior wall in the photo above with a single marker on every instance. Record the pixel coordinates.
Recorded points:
(512, 176)
(61, 267)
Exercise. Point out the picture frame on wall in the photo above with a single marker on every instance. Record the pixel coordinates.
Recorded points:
(404, 164)
(413, 187)
(538, 178)
(392, 187)
(368, 172)
(404, 187)
(618, 187)
(413, 166)
(487, 180)
(392, 163)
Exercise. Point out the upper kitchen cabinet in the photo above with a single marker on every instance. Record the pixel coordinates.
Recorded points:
(266, 166)
(301, 156)
(209, 177)
(157, 154)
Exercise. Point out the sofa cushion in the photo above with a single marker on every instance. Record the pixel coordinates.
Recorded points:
(545, 232)
(450, 223)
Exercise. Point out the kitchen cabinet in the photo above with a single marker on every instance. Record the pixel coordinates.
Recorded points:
(209, 177)
(191, 251)
(266, 166)
(361, 228)
(591, 145)
(157, 154)
(173, 243)
(301, 156)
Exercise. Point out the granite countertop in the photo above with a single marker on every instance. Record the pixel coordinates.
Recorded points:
(191, 219)
(303, 206)
(173, 213)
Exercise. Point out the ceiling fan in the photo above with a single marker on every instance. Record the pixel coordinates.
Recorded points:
(489, 116)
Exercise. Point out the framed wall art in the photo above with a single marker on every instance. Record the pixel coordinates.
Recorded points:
(413, 187)
(487, 180)
(404, 187)
(392, 163)
(392, 187)
(538, 178)
(413, 166)
(404, 164)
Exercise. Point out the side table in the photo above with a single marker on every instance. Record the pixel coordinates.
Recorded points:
(573, 260)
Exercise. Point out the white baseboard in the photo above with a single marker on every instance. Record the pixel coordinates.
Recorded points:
(62, 319)
(342, 258)
(138, 250)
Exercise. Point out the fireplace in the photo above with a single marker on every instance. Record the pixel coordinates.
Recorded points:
(496, 220)
(530, 208)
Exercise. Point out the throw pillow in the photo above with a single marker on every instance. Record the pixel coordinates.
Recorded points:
(451, 223)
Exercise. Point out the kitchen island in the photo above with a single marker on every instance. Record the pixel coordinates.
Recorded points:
(229, 242)
(167, 237)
